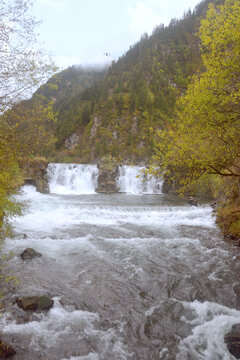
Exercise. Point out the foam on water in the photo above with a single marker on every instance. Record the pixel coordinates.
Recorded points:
(91, 356)
(72, 178)
(211, 321)
(82, 179)
(55, 214)
(79, 325)
(133, 180)
(122, 254)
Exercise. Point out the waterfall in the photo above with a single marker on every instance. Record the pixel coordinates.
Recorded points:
(72, 178)
(132, 180)
(83, 179)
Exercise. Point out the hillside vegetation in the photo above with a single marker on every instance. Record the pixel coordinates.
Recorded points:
(112, 111)
(172, 97)
(204, 140)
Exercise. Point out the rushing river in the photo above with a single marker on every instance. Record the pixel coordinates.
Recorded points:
(133, 276)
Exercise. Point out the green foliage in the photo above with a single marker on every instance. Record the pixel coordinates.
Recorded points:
(31, 124)
(22, 68)
(144, 83)
(73, 93)
(137, 92)
(23, 65)
(205, 137)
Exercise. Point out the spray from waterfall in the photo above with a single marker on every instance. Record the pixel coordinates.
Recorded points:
(72, 178)
(132, 179)
(83, 179)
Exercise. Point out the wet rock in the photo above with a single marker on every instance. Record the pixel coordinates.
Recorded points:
(42, 185)
(143, 294)
(108, 171)
(29, 254)
(29, 181)
(192, 201)
(232, 340)
(6, 351)
(34, 303)
(45, 303)
(236, 288)
(35, 171)
(214, 205)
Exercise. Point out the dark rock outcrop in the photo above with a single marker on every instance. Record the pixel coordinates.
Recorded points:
(192, 201)
(96, 124)
(72, 141)
(108, 171)
(214, 205)
(232, 340)
(6, 351)
(34, 303)
(236, 288)
(29, 254)
(35, 171)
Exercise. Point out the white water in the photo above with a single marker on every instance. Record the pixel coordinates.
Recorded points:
(132, 180)
(79, 179)
(72, 178)
(132, 277)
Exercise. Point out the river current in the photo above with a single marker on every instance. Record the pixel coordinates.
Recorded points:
(137, 275)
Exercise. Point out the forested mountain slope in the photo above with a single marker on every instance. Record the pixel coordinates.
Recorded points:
(66, 91)
(111, 111)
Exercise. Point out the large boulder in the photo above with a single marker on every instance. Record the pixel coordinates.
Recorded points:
(232, 340)
(29, 254)
(34, 303)
(6, 351)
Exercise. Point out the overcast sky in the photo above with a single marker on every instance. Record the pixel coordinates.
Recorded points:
(83, 31)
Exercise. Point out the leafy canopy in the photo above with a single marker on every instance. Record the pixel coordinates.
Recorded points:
(205, 137)
(22, 63)
(22, 67)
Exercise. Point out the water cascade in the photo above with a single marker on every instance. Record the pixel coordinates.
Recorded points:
(131, 277)
(132, 180)
(72, 178)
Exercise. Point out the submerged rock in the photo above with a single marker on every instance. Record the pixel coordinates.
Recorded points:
(232, 340)
(6, 351)
(34, 303)
(29, 254)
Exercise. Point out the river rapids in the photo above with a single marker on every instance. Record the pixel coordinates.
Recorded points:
(135, 275)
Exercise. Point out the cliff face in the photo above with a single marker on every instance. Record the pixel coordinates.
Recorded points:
(35, 173)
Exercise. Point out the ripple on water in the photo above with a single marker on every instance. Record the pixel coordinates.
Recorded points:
(140, 278)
